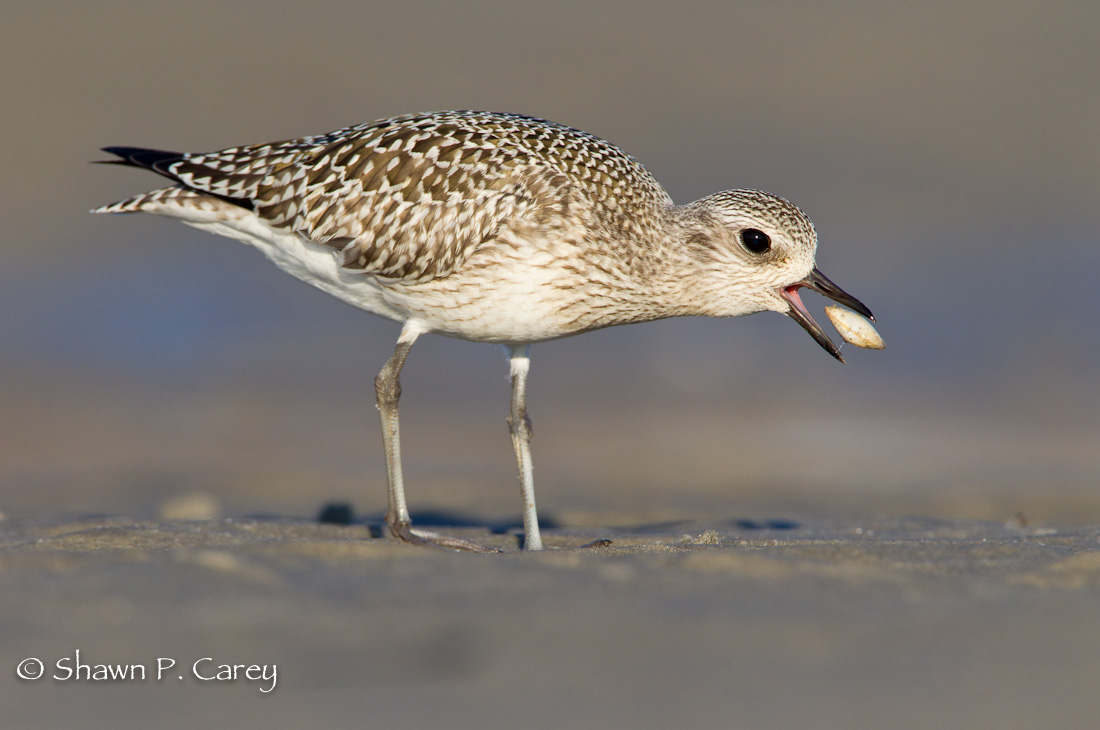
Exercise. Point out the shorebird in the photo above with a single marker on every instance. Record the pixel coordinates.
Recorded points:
(495, 228)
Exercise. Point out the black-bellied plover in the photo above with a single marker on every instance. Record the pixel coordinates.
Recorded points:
(494, 228)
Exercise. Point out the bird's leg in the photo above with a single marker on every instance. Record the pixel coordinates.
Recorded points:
(387, 389)
(520, 426)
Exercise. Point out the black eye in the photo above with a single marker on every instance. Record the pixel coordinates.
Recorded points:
(755, 241)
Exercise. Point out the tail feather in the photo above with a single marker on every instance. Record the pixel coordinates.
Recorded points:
(190, 206)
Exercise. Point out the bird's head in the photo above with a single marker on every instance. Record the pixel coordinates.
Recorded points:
(757, 251)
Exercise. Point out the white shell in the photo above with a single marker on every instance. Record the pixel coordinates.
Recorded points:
(854, 328)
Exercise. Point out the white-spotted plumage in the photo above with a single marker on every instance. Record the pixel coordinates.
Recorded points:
(494, 228)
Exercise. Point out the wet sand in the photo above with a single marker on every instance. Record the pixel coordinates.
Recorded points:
(772, 576)
(901, 623)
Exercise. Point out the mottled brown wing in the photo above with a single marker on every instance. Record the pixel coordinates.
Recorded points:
(401, 200)
(413, 197)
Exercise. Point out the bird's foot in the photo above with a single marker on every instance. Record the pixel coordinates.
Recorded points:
(404, 531)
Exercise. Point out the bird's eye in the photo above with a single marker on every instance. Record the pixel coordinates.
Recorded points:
(755, 240)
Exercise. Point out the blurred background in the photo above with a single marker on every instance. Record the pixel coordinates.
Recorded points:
(948, 155)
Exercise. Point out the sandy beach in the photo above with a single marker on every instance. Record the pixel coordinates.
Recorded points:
(901, 623)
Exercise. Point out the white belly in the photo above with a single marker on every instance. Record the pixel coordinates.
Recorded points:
(313, 263)
(512, 292)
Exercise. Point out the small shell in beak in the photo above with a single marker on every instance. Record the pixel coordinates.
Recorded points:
(854, 329)
(819, 283)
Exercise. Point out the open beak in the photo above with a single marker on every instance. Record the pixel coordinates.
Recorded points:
(820, 284)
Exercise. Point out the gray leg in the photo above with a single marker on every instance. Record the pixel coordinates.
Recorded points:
(387, 389)
(520, 426)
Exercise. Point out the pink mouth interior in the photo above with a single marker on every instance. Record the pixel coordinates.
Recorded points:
(790, 293)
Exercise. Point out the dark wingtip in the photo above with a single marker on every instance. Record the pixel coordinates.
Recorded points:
(140, 157)
(159, 162)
